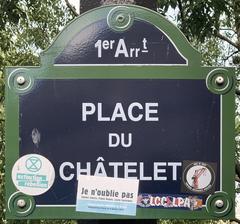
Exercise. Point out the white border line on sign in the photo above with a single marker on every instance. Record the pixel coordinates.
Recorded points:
(104, 65)
(221, 143)
(55, 206)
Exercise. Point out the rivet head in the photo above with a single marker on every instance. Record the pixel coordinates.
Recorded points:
(21, 203)
(120, 18)
(219, 80)
(21, 80)
(219, 203)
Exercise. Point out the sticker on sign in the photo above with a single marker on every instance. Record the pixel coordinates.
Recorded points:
(107, 195)
(33, 174)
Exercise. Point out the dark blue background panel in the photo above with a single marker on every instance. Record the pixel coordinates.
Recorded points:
(188, 129)
(157, 49)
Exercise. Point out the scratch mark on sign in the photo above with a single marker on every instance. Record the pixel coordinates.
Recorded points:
(36, 137)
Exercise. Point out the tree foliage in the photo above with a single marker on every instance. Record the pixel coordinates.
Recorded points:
(203, 20)
(199, 18)
(28, 26)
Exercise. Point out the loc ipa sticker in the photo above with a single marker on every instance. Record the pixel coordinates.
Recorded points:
(33, 174)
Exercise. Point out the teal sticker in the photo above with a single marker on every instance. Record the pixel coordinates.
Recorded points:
(31, 180)
(106, 207)
(33, 174)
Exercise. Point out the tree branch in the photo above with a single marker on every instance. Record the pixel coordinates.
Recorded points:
(72, 9)
(230, 55)
(181, 9)
(180, 6)
(235, 220)
(237, 168)
(237, 179)
(219, 35)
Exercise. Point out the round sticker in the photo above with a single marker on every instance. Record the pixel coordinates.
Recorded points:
(199, 177)
(33, 174)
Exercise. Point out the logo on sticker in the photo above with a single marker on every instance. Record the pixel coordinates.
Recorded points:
(169, 201)
(33, 164)
(33, 174)
(199, 177)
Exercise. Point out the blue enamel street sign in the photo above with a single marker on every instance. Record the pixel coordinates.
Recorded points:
(120, 93)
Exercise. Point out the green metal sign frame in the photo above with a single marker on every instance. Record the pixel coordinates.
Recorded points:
(219, 80)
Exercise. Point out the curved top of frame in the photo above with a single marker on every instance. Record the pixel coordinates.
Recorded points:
(120, 35)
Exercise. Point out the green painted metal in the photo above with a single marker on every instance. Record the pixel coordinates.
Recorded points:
(47, 70)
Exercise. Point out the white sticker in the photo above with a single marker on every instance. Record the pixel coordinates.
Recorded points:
(33, 174)
(107, 195)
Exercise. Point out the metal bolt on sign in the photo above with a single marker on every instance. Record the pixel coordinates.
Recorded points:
(21, 203)
(120, 18)
(21, 80)
(219, 203)
(219, 80)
